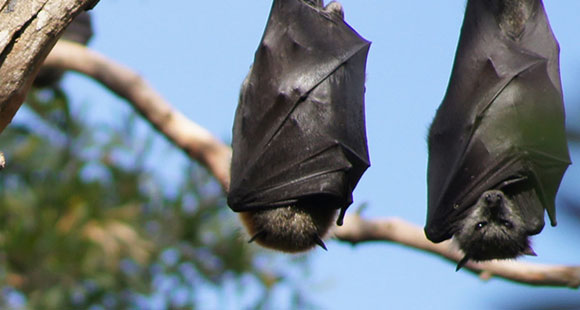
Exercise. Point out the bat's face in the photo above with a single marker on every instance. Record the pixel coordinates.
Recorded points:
(290, 229)
(492, 229)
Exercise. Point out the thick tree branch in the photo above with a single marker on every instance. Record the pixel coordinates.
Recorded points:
(196, 141)
(200, 145)
(356, 230)
(28, 30)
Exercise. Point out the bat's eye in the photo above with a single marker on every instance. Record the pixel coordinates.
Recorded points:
(508, 224)
(480, 225)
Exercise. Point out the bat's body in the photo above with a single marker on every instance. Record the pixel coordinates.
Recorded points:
(299, 140)
(497, 145)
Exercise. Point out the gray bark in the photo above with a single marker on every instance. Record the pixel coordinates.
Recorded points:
(28, 31)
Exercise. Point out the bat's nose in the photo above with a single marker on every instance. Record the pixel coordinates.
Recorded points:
(493, 198)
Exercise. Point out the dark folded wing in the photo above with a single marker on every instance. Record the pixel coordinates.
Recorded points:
(502, 119)
(299, 128)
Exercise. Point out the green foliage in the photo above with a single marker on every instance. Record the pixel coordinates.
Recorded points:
(79, 229)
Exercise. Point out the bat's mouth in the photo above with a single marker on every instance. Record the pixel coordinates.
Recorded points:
(501, 245)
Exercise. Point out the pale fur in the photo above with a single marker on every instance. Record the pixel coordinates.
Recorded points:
(289, 229)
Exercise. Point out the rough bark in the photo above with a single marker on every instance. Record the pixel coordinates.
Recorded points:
(28, 31)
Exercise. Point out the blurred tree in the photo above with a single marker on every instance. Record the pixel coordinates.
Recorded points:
(78, 229)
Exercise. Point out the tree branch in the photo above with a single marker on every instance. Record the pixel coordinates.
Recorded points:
(357, 230)
(28, 30)
(196, 141)
(200, 145)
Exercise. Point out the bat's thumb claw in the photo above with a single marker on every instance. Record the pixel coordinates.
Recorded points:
(259, 234)
(320, 242)
(530, 252)
(462, 263)
(335, 8)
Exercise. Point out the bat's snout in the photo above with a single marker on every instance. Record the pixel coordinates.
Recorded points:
(493, 198)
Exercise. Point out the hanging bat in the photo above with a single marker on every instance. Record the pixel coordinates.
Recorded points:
(497, 145)
(80, 30)
(299, 140)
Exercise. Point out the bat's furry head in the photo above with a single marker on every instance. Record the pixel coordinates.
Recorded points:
(492, 229)
(292, 229)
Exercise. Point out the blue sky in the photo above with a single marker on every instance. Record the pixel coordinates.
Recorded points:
(196, 53)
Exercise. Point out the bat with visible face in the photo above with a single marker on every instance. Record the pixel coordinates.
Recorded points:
(299, 138)
(497, 145)
(80, 30)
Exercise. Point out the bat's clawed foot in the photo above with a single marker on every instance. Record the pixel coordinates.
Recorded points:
(512, 15)
(335, 8)
(314, 3)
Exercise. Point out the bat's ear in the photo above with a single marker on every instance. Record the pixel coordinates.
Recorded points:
(462, 262)
(335, 8)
